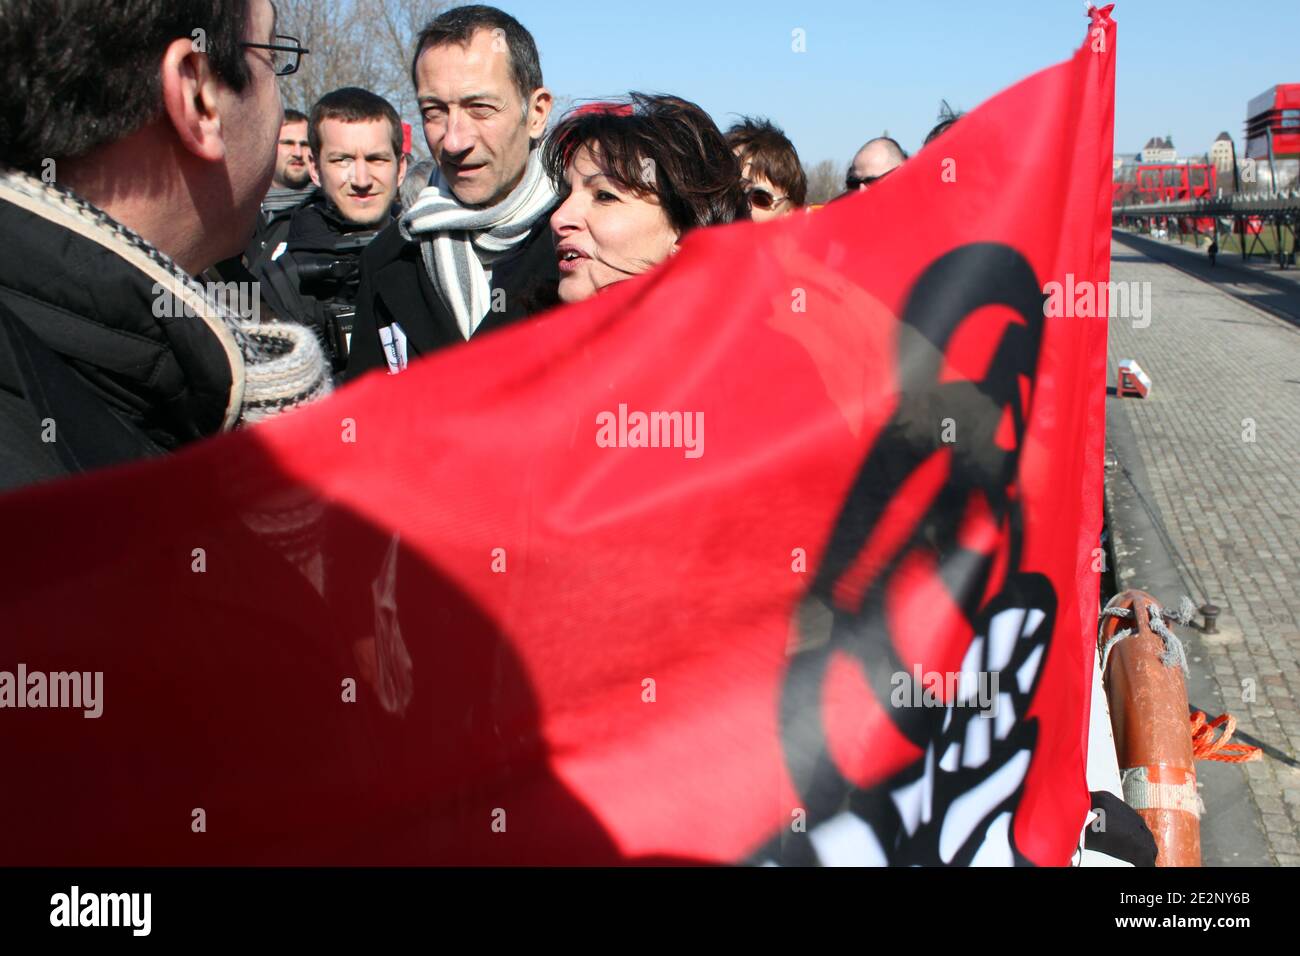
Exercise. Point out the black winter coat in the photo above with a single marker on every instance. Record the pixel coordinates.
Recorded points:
(314, 279)
(90, 373)
(395, 287)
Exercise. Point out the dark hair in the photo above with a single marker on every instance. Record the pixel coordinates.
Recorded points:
(459, 25)
(417, 177)
(352, 104)
(770, 154)
(294, 116)
(697, 178)
(947, 116)
(940, 128)
(90, 75)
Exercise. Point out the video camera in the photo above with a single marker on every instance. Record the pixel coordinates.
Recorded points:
(332, 279)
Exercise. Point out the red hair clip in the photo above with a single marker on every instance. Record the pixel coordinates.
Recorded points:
(614, 109)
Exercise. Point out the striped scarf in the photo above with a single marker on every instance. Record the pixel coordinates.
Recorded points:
(457, 241)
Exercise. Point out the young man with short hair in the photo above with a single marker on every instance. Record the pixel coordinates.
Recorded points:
(356, 163)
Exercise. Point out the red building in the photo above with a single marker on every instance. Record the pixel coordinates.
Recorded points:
(1275, 111)
(1174, 182)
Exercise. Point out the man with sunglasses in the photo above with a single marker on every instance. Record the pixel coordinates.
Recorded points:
(135, 151)
(770, 171)
(873, 162)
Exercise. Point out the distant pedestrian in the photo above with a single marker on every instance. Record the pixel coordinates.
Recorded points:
(1213, 251)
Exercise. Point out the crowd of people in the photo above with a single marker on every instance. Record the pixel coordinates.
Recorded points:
(162, 168)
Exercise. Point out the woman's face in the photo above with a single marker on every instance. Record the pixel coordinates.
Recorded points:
(604, 232)
(774, 206)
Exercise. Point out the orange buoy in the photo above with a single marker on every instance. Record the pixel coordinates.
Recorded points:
(1143, 677)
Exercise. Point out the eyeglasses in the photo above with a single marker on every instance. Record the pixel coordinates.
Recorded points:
(760, 198)
(852, 182)
(285, 54)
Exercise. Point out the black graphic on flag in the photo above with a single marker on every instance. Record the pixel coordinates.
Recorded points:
(954, 800)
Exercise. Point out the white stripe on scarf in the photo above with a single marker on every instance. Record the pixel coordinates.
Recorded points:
(452, 237)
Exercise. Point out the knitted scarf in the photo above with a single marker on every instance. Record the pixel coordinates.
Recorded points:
(274, 365)
(457, 241)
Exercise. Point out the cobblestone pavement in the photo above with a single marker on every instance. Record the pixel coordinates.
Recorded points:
(1220, 440)
(1260, 282)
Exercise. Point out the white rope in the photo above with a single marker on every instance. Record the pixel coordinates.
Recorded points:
(1105, 653)
(1175, 653)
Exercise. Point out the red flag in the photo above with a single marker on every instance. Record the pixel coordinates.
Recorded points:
(780, 553)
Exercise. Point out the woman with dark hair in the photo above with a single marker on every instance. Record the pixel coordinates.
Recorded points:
(635, 177)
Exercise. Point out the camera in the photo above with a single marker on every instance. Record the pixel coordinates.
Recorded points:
(332, 279)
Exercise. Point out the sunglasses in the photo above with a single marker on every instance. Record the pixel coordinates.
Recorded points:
(762, 199)
(852, 182)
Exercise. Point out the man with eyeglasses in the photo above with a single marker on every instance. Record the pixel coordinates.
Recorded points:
(135, 151)
(773, 178)
(873, 162)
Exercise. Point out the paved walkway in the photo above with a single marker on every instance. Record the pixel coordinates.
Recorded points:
(1254, 280)
(1219, 443)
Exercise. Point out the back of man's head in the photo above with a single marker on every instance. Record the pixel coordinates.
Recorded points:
(417, 178)
(127, 101)
(88, 75)
(947, 116)
(767, 152)
(887, 148)
(459, 25)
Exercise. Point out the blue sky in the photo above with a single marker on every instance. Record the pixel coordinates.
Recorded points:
(1186, 67)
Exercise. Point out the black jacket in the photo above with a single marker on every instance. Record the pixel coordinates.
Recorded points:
(273, 223)
(314, 280)
(396, 287)
(92, 371)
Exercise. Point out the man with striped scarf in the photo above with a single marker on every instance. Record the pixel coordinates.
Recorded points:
(474, 252)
